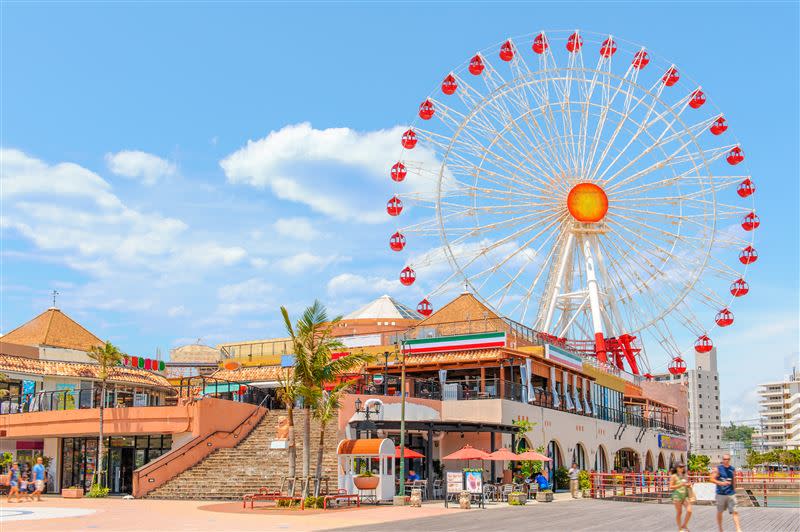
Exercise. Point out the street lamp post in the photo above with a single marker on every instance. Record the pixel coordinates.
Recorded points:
(385, 370)
(402, 356)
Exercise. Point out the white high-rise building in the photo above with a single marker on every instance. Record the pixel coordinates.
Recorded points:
(705, 435)
(780, 414)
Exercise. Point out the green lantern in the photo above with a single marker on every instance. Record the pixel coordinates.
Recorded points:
(141, 362)
(161, 365)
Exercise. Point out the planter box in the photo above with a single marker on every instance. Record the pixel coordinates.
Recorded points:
(517, 499)
(546, 496)
(72, 493)
(366, 483)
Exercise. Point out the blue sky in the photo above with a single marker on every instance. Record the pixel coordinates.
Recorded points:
(166, 243)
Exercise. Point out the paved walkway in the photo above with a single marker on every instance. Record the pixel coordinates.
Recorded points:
(563, 515)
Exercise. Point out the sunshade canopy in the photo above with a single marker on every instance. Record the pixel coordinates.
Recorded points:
(533, 456)
(503, 454)
(408, 453)
(468, 452)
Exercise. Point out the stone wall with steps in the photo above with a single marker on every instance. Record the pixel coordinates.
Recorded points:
(227, 474)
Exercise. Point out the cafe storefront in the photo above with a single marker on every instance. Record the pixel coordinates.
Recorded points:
(124, 454)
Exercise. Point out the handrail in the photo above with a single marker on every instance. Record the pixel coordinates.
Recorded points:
(57, 400)
(196, 441)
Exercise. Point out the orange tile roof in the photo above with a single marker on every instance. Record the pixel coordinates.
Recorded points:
(360, 447)
(250, 374)
(12, 364)
(53, 328)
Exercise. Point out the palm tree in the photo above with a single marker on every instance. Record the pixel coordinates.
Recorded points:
(313, 344)
(288, 393)
(106, 356)
(325, 409)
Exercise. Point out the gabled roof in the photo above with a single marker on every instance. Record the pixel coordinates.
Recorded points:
(463, 308)
(382, 308)
(55, 329)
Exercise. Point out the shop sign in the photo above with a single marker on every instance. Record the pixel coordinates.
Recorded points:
(455, 482)
(672, 443)
(563, 357)
(474, 481)
(461, 342)
(377, 379)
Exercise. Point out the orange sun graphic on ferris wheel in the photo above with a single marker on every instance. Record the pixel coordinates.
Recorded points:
(587, 202)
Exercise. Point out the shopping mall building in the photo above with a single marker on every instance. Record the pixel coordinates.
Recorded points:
(470, 375)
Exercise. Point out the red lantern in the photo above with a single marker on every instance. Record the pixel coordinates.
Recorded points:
(739, 288)
(449, 85)
(134, 362)
(425, 308)
(407, 276)
(540, 43)
(750, 222)
(703, 344)
(409, 139)
(697, 100)
(397, 242)
(394, 206)
(719, 126)
(735, 156)
(748, 255)
(426, 110)
(671, 77)
(724, 318)
(677, 366)
(640, 59)
(746, 188)
(507, 51)
(608, 48)
(147, 363)
(476, 65)
(398, 172)
(574, 43)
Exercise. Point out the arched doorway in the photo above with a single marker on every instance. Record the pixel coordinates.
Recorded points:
(648, 461)
(672, 461)
(554, 452)
(579, 456)
(601, 460)
(626, 459)
(661, 464)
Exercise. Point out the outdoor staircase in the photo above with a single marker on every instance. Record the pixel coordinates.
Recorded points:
(227, 474)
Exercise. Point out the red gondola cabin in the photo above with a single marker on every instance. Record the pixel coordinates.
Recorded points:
(394, 206)
(397, 242)
(409, 139)
(724, 318)
(398, 172)
(407, 276)
(703, 344)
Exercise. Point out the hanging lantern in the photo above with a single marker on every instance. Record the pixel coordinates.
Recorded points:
(703, 344)
(231, 364)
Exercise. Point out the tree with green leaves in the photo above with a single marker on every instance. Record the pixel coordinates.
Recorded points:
(107, 356)
(741, 433)
(326, 406)
(313, 344)
(698, 463)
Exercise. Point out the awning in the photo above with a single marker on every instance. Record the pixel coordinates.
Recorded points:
(265, 384)
(221, 388)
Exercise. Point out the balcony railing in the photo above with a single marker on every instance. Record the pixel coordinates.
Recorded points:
(81, 399)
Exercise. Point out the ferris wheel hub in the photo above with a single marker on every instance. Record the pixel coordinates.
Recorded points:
(587, 203)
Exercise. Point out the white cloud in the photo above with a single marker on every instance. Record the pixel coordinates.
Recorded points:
(298, 228)
(304, 261)
(140, 165)
(350, 284)
(178, 310)
(322, 167)
(252, 295)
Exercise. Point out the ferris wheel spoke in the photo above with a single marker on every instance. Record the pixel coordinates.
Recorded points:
(719, 182)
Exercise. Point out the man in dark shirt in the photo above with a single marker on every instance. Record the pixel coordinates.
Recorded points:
(722, 476)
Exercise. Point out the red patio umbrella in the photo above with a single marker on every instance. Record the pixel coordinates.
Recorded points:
(409, 453)
(533, 456)
(503, 455)
(468, 452)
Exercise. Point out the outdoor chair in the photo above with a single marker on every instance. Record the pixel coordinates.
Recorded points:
(507, 488)
(490, 492)
(437, 489)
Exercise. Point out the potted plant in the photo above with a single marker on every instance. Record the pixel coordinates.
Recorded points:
(366, 480)
(73, 492)
(544, 496)
(517, 498)
(584, 484)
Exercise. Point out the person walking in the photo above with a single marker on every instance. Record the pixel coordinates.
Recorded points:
(679, 486)
(13, 482)
(722, 476)
(39, 478)
(574, 473)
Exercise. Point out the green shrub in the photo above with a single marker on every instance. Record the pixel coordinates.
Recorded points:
(562, 477)
(314, 502)
(584, 481)
(97, 492)
(514, 501)
(286, 503)
(366, 473)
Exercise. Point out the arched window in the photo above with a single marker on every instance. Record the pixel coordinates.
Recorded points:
(579, 456)
(600, 460)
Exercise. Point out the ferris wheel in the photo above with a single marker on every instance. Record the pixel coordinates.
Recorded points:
(583, 187)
